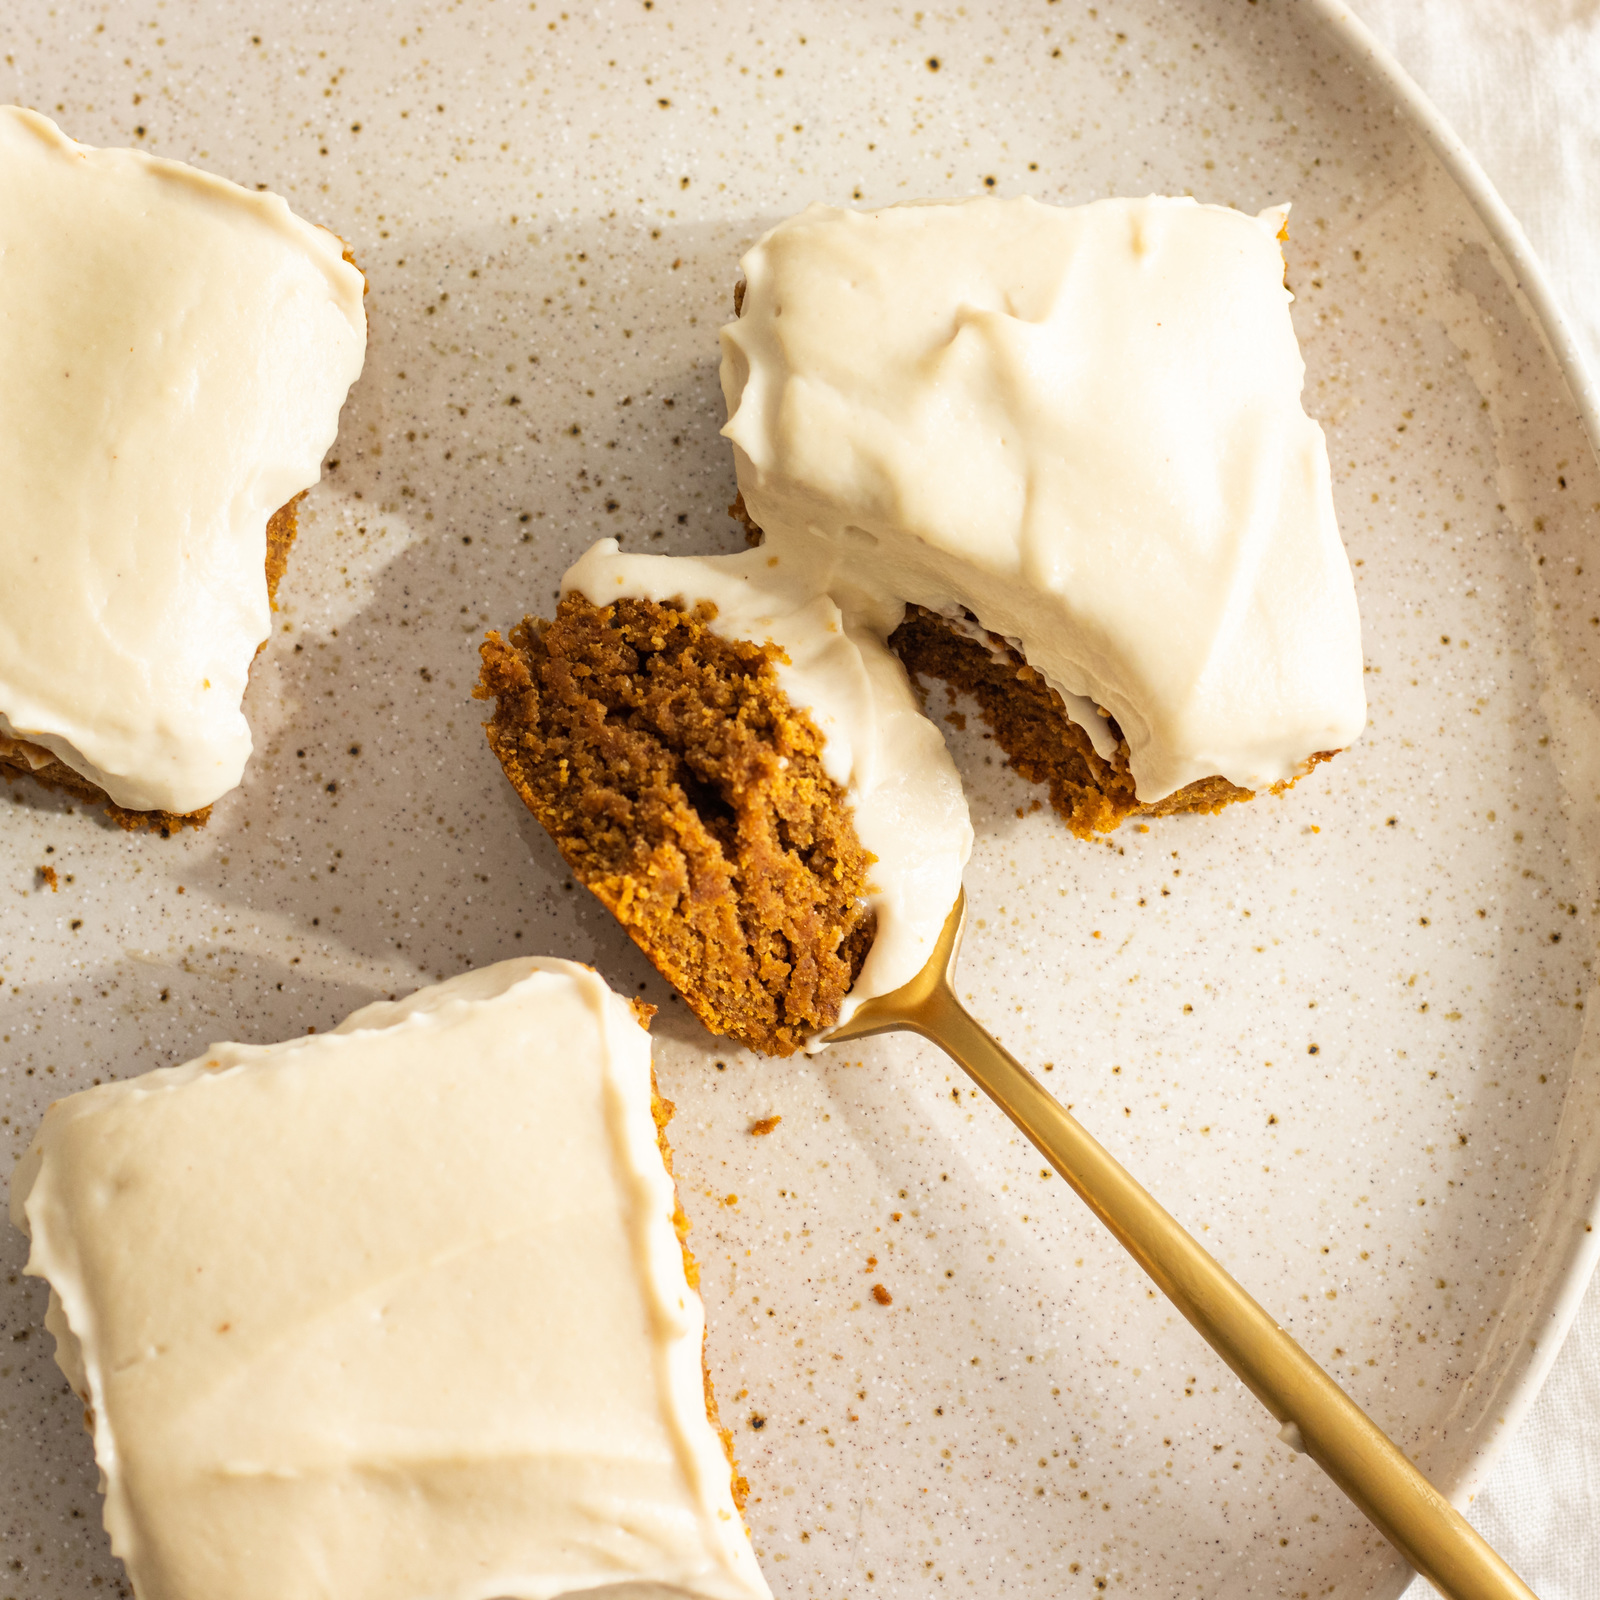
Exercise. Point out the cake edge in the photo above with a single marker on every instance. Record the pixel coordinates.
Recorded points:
(662, 1110)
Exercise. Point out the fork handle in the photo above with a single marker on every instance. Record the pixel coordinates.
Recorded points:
(1334, 1431)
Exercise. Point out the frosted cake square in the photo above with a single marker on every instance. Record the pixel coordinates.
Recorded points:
(398, 1312)
(173, 359)
(1065, 447)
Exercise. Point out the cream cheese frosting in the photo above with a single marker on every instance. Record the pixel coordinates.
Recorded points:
(174, 351)
(392, 1313)
(1081, 425)
(891, 762)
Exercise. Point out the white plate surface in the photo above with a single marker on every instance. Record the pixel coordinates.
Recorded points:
(1341, 1034)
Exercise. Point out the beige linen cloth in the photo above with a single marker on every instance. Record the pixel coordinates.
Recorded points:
(1519, 80)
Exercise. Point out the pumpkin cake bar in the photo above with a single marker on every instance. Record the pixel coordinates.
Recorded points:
(175, 358)
(394, 1312)
(1068, 443)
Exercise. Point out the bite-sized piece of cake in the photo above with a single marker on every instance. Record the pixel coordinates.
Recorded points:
(741, 775)
(392, 1313)
(172, 363)
(1074, 438)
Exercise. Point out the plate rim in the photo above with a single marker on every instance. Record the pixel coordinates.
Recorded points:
(1369, 56)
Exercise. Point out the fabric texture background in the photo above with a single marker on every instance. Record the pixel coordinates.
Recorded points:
(1519, 81)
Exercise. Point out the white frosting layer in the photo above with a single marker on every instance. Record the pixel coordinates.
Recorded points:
(174, 351)
(392, 1313)
(889, 759)
(1084, 426)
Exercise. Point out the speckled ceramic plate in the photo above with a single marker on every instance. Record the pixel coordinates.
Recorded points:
(1341, 1034)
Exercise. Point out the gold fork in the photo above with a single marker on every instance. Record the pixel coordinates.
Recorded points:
(1318, 1417)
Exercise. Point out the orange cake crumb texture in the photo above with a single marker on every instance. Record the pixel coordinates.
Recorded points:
(282, 526)
(688, 796)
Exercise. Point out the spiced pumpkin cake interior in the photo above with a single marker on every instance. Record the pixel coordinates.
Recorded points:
(745, 783)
